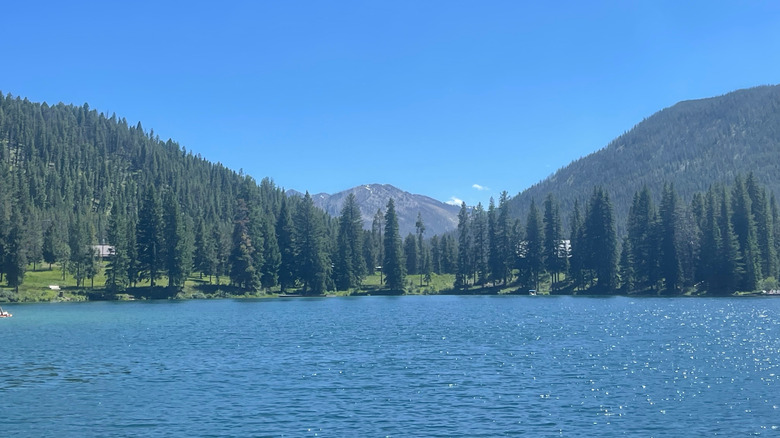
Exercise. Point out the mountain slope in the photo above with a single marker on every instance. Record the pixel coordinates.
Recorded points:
(437, 216)
(692, 144)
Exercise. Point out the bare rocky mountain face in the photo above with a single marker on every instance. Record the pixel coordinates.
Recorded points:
(437, 216)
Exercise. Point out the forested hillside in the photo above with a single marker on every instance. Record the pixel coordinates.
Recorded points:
(71, 178)
(692, 145)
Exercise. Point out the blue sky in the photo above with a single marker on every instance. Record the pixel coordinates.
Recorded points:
(455, 100)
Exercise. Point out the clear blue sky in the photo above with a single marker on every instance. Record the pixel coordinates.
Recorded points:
(434, 97)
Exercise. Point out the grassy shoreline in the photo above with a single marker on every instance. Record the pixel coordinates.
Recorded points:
(45, 284)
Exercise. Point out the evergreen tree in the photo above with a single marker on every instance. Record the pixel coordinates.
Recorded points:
(393, 266)
(449, 254)
(223, 238)
(204, 249)
(377, 225)
(133, 265)
(764, 227)
(626, 267)
(577, 242)
(601, 240)
(81, 252)
(643, 243)
(463, 270)
(745, 231)
(150, 238)
(177, 245)
(312, 259)
(62, 250)
(494, 257)
(775, 213)
(502, 269)
(33, 242)
(285, 240)
(242, 267)
(670, 264)
(411, 254)
(424, 262)
(534, 245)
(729, 265)
(711, 243)
(16, 257)
(479, 247)
(435, 254)
(555, 257)
(119, 262)
(349, 266)
(49, 245)
(272, 257)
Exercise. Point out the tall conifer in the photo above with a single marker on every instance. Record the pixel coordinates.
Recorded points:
(393, 266)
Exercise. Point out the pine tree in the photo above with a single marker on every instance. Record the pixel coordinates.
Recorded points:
(643, 243)
(463, 269)
(411, 254)
(494, 258)
(670, 264)
(16, 257)
(577, 243)
(242, 267)
(312, 259)
(729, 264)
(436, 254)
(81, 252)
(479, 244)
(775, 213)
(393, 266)
(272, 257)
(150, 238)
(449, 254)
(119, 261)
(377, 226)
(177, 246)
(555, 257)
(424, 262)
(284, 237)
(745, 231)
(534, 245)
(626, 267)
(764, 227)
(33, 239)
(349, 266)
(504, 246)
(49, 245)
(711, 243)
(601, 240)
(133, 264)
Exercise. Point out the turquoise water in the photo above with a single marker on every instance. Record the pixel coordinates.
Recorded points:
(393, 366)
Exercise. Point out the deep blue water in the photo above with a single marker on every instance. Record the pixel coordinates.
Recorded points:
(393, 366)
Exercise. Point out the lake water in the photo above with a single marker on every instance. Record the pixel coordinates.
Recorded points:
(393, 366)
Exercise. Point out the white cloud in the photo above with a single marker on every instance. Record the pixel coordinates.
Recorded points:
(479, 187)
(454, 201)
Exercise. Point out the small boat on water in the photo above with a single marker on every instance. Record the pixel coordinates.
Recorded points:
(532, 292)
(4, 314)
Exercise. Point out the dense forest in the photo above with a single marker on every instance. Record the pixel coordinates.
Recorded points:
(693, 144)
(72, 179)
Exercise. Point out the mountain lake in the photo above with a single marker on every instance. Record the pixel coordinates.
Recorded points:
(424, 366)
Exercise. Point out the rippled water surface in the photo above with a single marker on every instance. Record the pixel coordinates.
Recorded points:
(393, 366)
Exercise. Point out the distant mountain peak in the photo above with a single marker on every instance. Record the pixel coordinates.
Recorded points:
(438, 217)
